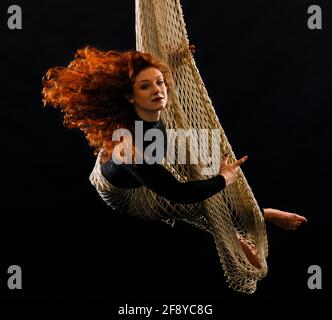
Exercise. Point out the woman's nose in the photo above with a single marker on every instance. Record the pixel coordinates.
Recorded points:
(156, 88)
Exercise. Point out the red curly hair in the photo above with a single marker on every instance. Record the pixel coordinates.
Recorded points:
(93, 92)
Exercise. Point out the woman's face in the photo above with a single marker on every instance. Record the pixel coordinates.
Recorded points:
(149, 91)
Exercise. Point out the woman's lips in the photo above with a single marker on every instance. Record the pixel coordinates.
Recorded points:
(157, 99)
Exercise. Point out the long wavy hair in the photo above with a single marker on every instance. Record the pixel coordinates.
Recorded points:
(93, 92)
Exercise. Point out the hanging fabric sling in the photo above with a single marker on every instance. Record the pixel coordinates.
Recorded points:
(233, 212)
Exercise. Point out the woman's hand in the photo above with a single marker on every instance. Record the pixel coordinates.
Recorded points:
(229, 171)
(181, 52)
(192, 49)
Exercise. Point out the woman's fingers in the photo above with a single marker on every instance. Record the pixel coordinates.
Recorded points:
(236, 163)
(240, 161)
(225, 159)
(192, 48)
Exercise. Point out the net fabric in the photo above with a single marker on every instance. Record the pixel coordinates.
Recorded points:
(233, 212)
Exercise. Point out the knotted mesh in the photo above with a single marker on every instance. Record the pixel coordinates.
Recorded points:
(232, 213)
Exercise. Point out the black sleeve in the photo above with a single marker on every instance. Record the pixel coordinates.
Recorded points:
(161, 181)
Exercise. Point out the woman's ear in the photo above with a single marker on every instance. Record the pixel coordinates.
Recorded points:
(130, 99)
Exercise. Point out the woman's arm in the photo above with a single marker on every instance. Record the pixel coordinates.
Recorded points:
(161, 181)
(158, 179)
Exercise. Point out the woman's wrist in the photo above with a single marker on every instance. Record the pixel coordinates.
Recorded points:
(228, 178)
(225, 178)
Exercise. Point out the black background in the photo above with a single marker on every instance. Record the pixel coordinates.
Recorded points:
(269, 78)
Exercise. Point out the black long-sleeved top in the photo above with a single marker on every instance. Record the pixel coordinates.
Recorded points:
(157, 178)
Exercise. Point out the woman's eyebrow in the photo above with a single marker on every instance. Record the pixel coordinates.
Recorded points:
(159, 77)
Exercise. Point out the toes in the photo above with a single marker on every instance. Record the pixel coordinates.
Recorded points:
(297, 224)
(302, 221)
(294, 225)
(302, 218)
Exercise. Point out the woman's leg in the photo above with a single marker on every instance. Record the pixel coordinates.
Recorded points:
(283, 219)
(250, 252)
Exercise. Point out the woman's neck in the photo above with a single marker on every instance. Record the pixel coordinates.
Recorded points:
(153, 116)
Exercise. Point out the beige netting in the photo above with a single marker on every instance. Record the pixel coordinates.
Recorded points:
(160, 30)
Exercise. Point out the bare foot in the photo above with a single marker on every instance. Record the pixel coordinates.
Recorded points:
(250, 252)
(283, 219)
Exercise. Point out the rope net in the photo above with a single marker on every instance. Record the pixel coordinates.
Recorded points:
(229, 215)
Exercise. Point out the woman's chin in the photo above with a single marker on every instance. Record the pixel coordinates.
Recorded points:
(160, 107)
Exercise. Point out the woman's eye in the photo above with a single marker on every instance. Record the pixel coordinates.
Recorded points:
(145, 86)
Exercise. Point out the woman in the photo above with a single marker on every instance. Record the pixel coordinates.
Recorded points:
(103, 91)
